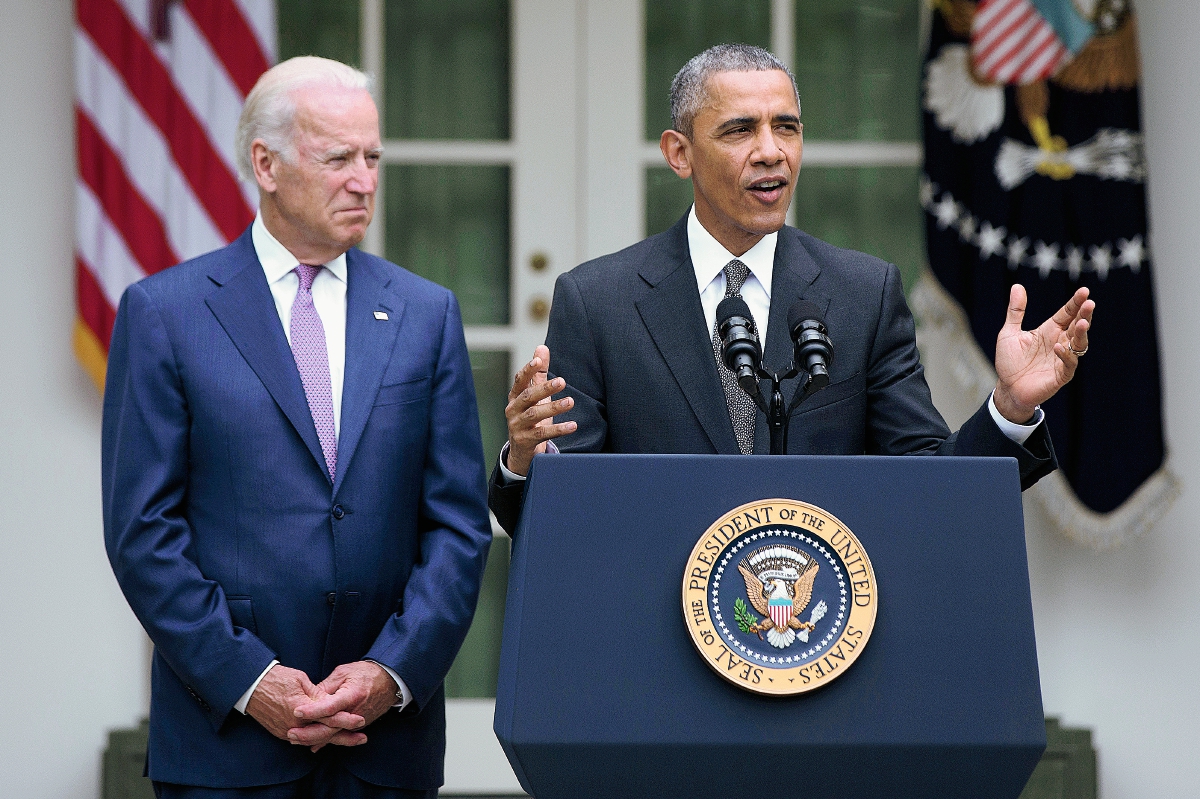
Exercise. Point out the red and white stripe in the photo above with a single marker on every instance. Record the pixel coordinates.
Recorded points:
(1012, 43)
(155, 124)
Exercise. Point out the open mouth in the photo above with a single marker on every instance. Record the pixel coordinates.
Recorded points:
(769, 190)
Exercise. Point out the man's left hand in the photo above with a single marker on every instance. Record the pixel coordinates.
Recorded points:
(361, 688)
(1032, 365)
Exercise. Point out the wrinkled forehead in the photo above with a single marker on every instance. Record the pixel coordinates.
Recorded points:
(335, 112)
(759, 90)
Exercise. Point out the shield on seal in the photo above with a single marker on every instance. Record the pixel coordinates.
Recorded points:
(781, 611)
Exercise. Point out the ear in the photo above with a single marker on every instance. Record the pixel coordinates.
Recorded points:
(678, 151)
(264, 162)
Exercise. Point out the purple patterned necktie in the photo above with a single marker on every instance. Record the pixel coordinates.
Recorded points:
(312, 359)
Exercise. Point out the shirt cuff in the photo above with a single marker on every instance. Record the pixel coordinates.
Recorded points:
(508, 476)
(405, 694)
(1018, 433)
(240, 707)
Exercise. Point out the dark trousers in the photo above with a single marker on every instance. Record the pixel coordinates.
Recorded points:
(327, 781)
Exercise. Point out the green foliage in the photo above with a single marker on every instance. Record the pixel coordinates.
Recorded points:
(745, 619)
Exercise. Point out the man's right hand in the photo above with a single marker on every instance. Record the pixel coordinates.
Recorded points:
(530, 412)
(273, 705)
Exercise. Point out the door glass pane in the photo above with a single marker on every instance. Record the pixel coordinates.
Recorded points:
(871, 209)
(450, 224)
(668, 197)
(328, 28)
(447, 69)
(473, 674)
(474, 670)
(490, 370)
(676, 30)
(857, 66)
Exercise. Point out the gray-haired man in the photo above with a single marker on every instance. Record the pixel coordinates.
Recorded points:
(631, 333)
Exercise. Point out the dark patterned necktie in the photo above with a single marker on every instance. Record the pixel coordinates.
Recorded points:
(312, 359)
(741, 407)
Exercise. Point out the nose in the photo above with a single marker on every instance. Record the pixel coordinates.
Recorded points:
(767, 149)
(364, 177)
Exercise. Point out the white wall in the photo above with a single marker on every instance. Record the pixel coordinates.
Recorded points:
(72, 657)
(1118, 633)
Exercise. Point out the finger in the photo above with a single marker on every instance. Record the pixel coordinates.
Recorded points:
(344, 738)
(1072, 308)
(327, 705)
(549, 431)
(532, 395)
(344, 720)
(1016, 307)
(541, 354)
(526, 374)
(538, 413)
(311, 734)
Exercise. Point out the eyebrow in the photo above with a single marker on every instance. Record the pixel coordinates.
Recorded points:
(738, 122)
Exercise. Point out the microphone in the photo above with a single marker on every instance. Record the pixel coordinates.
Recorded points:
(813, 349)
(740, 351)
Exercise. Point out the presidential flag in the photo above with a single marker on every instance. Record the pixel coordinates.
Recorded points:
(159, 85)
(1035, 173)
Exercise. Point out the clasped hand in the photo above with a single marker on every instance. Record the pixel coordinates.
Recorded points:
(333, 711)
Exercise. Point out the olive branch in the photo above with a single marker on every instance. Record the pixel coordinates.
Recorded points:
(747, 622)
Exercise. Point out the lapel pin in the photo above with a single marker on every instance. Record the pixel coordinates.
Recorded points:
(381, 316)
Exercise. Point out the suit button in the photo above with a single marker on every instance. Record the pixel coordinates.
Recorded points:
(331, 597)
(338, 512)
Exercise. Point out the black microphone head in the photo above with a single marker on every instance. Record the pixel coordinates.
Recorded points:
(731, 307)
(802, 311)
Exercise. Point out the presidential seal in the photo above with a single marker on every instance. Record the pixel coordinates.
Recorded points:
(779, 597)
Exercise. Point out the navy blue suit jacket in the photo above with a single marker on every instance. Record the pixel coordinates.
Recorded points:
(233, 546)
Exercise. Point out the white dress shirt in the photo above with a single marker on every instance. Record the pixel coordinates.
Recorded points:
(329, 300)
(709, 258)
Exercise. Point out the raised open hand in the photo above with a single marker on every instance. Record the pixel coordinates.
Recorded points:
(1032, 365)
(530, 411)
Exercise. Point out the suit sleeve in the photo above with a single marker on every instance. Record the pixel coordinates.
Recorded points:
(573, 355)
(146, 530)
(901, 416)
(439, 598)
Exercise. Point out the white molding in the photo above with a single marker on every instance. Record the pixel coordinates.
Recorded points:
(441, 151)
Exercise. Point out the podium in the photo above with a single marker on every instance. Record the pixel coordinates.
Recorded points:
(602, 693)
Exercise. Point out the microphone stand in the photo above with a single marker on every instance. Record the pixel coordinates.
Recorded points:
(777, 416)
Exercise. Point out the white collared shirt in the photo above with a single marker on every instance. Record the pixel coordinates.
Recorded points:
(709, 257)
(329, 298)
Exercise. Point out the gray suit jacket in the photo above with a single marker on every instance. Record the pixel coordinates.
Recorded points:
(627, 332)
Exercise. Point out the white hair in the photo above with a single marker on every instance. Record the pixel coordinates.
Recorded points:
(689, 89)
(270, 110)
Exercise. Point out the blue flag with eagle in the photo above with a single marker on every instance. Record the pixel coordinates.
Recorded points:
(1035, 173)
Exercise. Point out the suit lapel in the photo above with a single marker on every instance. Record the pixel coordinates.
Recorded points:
(674, 317)
(245, 309)
(369, 344)
(794, 276)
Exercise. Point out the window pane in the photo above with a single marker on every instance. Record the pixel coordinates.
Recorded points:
(447, 69)
(870, 209)
(450, 224)
(668, 197)
(857, 67)
(490, 370)
(328, 28)
(676, 30)
(473, 674)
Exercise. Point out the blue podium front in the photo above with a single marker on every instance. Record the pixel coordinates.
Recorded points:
(602, 693)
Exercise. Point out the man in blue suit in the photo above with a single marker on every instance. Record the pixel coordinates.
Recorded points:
(293, 479)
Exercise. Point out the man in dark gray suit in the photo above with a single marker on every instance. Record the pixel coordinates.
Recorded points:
(632, 332)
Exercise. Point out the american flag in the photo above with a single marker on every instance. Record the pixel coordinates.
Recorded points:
(159, 85)
(1011, 42)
